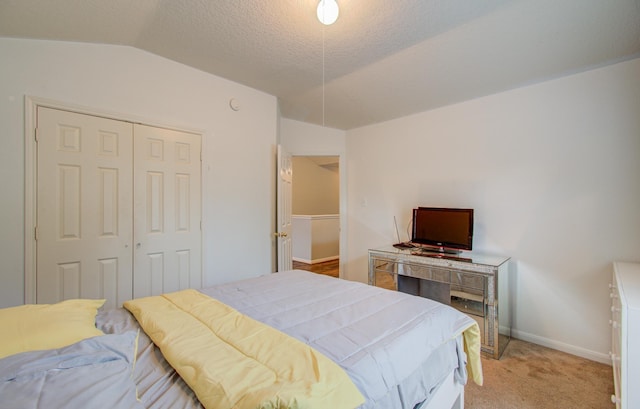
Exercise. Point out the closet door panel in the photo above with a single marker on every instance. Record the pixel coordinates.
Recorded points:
(84, 211)
(167, 201)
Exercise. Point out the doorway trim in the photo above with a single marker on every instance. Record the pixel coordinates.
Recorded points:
(342, 205)
(31, 104)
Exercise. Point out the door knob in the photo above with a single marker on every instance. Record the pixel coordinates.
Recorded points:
(281, 234)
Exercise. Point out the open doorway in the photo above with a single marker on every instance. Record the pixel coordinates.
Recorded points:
(316, 214)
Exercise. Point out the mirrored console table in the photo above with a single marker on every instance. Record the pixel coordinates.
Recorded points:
(475, 284)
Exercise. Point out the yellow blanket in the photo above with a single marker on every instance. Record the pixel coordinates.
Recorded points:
(471, 338)
(233, 361)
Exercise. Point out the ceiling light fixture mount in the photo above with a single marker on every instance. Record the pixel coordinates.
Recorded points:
(328, 11)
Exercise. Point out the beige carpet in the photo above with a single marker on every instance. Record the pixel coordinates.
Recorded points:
(529, 376)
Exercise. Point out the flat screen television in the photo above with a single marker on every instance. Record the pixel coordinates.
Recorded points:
(443, 229)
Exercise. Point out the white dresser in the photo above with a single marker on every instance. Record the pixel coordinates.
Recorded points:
(625, 338)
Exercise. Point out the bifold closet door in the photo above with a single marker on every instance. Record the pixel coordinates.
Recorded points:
(84, 212)
(118, 209)
(167, 250)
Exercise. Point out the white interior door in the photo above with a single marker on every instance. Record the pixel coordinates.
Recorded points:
(84, 212)
(167, 254)
(284, 211)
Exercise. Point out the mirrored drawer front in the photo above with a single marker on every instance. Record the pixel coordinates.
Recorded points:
(466, 303)
(466, 280)
(384, 265)
(425, 272)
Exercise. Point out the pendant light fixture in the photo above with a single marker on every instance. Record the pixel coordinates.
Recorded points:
(328, 11)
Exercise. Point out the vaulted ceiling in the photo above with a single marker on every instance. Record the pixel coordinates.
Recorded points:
(382, 59)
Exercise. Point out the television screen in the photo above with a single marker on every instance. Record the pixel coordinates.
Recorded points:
(444, 228)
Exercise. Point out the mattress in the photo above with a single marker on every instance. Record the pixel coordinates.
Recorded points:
(364, 329)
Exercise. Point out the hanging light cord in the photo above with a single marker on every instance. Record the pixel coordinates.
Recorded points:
(323, 75)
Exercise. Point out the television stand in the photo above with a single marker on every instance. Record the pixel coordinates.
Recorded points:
(475, 284)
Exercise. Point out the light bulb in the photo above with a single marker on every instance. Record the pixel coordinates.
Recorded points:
(328, 11)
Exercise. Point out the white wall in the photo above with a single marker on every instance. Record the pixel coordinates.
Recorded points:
(316, 189)
(303, 139)
(238, 147)
(553, 172)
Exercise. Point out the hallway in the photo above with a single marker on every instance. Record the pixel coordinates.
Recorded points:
(331, 268)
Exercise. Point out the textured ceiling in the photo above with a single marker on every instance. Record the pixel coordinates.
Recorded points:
(383, 58)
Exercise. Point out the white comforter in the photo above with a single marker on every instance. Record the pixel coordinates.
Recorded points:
(380, 337)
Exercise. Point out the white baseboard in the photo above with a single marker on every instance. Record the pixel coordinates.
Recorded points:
(561, 346)
(315, 261)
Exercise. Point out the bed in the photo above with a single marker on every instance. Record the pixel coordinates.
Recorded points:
(396, 350)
